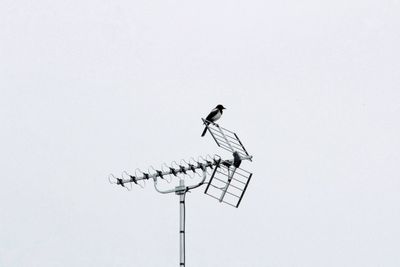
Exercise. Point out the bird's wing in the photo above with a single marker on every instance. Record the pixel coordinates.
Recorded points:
(217, 116)
(212, 114)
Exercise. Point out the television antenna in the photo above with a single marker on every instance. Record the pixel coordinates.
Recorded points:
(227, 183)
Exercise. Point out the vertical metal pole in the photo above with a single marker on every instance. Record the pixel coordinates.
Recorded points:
(182, 228)
(181, 191)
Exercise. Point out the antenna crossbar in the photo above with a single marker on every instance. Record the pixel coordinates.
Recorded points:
(172, 171)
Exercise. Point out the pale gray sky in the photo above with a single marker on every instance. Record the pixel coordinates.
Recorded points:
(93, 87)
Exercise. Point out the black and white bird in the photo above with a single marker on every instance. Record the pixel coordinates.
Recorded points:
(214, 115)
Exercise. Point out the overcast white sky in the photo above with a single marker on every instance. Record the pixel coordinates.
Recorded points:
(93, 87)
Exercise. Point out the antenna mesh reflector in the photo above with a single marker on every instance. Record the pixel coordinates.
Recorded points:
(228, 184)
(225, 138)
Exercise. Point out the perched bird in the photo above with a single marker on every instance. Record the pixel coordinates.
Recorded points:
(214, 115)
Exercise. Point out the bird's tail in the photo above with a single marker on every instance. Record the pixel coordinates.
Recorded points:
(204, 132)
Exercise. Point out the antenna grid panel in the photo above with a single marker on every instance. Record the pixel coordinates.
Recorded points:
(225, 138)
(228, 184)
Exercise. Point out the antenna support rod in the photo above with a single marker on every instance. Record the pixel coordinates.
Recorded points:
(182, 219)
(182, 169)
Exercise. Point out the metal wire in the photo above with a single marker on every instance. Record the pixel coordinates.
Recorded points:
(125, 175)
(194, 164)
(138, 171)
(185, 165)
(164, 169)
(118, 181)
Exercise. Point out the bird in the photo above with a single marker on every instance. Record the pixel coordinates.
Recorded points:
(214, 115)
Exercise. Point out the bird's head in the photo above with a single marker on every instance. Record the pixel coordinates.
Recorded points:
(220, 107)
